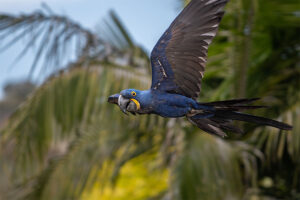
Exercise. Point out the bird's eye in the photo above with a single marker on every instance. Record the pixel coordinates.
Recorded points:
(133, 93)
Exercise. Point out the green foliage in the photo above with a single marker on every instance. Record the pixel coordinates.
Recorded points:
(66, 142)
(208, 160)
(54, 36)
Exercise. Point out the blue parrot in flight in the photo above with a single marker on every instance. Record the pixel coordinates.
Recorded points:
(178, 62)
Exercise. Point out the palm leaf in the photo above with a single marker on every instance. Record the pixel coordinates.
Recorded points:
(53, 35)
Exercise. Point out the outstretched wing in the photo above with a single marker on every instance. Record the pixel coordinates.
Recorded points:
(178, 59)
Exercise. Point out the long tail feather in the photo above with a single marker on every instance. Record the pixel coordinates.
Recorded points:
(237, 108)
(231, 102)
(207, 126)
(225, 112)
(253, 119)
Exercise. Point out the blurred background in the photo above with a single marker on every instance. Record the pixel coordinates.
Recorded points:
(60, 139)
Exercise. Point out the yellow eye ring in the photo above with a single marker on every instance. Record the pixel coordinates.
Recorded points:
(133, 93)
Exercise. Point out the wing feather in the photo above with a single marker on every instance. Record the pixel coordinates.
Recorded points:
(179, 57)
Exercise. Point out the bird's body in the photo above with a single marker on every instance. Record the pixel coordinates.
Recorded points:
(178, 63)
(163, 104)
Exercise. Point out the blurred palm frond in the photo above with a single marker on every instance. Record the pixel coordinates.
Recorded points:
(54, 37)
(65, 140)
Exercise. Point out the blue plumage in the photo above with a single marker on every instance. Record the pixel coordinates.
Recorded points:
(178, 62)
(161, 103)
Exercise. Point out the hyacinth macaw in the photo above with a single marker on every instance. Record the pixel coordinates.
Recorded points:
(178, 63)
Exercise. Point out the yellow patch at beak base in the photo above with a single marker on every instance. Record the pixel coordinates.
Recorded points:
(136, 103)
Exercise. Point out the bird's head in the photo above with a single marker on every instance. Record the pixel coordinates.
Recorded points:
(127, 100)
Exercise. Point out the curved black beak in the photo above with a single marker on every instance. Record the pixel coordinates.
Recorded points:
(120, 101)
(113, 99)
(123, 103)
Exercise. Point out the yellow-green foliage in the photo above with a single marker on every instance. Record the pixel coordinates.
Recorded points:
(66, 142)
(138, 179)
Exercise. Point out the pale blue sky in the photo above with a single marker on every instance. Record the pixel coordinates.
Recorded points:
(146, 20)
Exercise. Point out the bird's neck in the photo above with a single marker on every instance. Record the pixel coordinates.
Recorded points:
(145, 98)
(146, 94)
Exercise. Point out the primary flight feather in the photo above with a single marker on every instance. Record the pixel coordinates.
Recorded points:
(178, 63)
